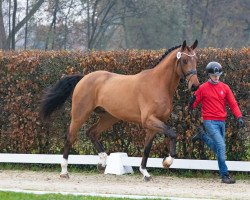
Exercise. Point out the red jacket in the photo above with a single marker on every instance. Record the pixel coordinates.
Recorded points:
(213, 98)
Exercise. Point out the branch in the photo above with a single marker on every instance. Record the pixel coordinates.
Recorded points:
(25, 19)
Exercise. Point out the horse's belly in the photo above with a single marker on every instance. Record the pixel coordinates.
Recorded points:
(123, 109)
(120, 100)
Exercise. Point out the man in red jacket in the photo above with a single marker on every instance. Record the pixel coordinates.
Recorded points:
(213, 95)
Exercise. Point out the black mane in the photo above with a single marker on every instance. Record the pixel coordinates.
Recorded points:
(166, 53)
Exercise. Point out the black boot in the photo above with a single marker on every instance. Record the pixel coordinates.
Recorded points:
(198, 136)
(228, 179)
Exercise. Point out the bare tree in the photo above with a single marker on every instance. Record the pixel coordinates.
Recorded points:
(111, 24)
(52, 28)
(104, 18)
(3, 44)
(6, 40)
(66, 29)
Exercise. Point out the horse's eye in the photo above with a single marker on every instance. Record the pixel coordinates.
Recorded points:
(184, 61)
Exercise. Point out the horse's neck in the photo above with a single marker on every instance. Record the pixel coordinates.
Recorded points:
(166, 73)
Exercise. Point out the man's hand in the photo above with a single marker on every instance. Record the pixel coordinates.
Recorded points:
(190, 104)
(241, 122)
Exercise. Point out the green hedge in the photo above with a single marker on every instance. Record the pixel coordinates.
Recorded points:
(24, 75)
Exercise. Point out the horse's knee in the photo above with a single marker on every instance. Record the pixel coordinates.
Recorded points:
(88, 134)
(71, 138)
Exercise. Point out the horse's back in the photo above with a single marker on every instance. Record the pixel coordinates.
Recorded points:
(115, 93)
(107, 81)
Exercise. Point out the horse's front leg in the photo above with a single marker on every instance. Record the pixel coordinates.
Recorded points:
(147, 147)
(155, 125)
(172, 152)
(172, 147)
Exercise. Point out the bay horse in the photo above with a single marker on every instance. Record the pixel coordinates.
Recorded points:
(145, 98)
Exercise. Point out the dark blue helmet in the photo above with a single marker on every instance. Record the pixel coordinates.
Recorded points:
(214, 68)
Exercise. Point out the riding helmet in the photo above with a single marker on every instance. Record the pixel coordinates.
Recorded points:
(214, 68)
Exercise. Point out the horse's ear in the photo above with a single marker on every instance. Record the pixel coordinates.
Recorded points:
(194, 45)
(183, 45)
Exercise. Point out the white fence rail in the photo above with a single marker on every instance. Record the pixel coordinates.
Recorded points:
(129, 161)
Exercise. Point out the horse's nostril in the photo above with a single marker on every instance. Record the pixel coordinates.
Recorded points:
(194, 87)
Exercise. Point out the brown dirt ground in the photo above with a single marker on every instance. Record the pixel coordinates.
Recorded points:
(125, 185)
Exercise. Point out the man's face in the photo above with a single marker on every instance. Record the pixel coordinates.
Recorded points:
(215, 78)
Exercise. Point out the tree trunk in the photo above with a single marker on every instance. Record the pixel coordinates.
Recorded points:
(26, 26)
(13, 34)
(204, 19)
(9, 17)
(52, 28)
(3, 44)
(101, 23)
(88, 22)
(24, 20)
(126, 40)
(66, 29)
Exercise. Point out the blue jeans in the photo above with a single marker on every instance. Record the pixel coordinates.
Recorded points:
(215, 139)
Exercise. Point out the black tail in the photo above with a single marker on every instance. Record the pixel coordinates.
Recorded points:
(56, 95)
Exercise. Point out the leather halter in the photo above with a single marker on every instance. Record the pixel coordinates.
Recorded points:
(191, 72)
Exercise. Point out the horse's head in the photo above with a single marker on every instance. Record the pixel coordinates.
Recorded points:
(187, 64)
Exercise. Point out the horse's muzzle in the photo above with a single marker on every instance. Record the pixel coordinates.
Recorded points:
(194, 87)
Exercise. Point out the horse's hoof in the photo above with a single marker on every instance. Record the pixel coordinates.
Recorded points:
(100, 168)
(147, 178)
(167, 162)
(64, 176)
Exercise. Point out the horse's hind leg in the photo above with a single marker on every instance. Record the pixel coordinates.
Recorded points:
(76, 122)
(94, 133)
